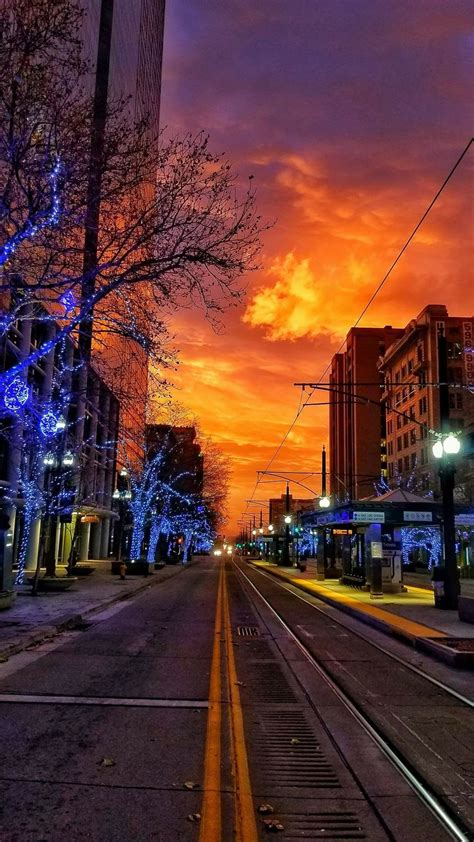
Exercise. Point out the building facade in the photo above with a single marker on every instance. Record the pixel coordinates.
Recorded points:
(123, 41)
(54, 463)
(410, 373)
(356, 422)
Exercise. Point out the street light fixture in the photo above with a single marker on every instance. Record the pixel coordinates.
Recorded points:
(68, 459)
(325, 502)
(287, 519)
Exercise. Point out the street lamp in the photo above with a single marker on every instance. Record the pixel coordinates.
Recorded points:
(285, 557)
(446, 447)
(122, 494)
(443, 449)
(325, 502)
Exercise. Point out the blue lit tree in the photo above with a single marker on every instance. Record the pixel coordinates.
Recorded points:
(174, 229)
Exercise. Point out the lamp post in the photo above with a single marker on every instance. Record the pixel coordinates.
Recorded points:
(285, 558)
(444, 448)
(122, 495)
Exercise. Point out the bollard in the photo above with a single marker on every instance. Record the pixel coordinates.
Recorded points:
(123, 570)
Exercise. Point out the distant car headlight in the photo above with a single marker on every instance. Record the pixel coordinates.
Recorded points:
(217, 552)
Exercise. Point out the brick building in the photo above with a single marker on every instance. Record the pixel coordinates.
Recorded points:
(356, 423)
(409, 369)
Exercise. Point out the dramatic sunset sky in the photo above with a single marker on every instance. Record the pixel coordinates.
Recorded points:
(349, 114)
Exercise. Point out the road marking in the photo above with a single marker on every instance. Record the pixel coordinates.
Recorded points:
(210, 828)
(246, 828)
(101, 701)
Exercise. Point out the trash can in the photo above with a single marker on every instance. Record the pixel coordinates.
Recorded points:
(438, 587)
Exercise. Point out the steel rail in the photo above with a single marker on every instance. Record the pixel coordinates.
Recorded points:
(412, 667)
(454, 828)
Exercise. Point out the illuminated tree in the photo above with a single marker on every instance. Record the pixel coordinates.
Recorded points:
(173, 230)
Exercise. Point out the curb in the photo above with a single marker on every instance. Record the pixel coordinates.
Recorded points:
(439, 651)
(71, 621)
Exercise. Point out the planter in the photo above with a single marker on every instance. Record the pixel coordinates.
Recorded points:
(54, 583)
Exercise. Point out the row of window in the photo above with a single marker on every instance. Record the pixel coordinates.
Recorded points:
(407, 463)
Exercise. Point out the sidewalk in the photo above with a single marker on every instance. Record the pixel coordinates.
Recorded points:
(409, 616)
(34, 618)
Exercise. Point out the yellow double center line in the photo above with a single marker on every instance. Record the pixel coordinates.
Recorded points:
(244, 816)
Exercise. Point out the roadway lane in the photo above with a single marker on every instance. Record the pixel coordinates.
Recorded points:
(102, 772)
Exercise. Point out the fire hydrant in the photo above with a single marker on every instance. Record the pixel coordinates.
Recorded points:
(123, 569)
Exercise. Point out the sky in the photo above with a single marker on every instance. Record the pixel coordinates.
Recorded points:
(349, 114)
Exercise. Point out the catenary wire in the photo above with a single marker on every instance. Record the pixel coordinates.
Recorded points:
(379, 287)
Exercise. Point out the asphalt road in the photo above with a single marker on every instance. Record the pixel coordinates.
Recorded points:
(176, 716)
(102, 772)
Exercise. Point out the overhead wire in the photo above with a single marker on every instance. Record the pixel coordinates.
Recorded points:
(302, 404)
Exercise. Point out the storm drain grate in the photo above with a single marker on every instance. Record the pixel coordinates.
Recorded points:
(290, 754)
(248, 631)
(267, 684)
(322, 825)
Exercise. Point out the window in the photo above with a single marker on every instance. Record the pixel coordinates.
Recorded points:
(400, 465)
(410, 365)
(411, 412)
(411, 390)
(454, 374)
(419, 353)
(397, 377)
(390, 469)
(399, 422)
(413, 436)
(406, 463)
(413, 461)
(398, 398)
(454, 350)
(405, 439)
(390, 448)
(399, 442)
(423, 405)
(389, 427)
(423, 433)
(404, 372)
(404, 394)
(422, 378)
(406, 419)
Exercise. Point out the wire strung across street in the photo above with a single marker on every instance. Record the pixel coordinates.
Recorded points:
(304, 403)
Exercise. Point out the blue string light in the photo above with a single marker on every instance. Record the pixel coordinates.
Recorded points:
(48, 218)
(16, 395)
(48, 424)
(427, 538)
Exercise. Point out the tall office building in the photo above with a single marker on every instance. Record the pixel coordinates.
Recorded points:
(356, 423)
(134, 50)
(123, 41)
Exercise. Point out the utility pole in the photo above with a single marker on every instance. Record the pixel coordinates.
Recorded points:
(447, 471)
(285, 559)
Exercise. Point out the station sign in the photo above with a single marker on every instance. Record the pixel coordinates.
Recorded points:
(368, 517)
(424, 517)
(464, 520)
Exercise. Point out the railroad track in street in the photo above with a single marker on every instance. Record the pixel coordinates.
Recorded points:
(399, 707)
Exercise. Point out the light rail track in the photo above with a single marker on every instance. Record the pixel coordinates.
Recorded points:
(310, 602)
(451, 823)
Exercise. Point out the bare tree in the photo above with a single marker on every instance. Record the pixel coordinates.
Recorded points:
(174, 232)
